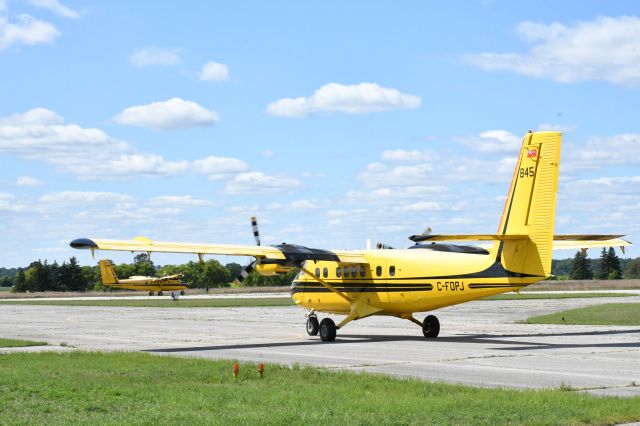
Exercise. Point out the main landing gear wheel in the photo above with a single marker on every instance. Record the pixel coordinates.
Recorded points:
(150, 293)
(312, 326)
(430, 327)
(181, 292)
(159, 293)
(327, 330)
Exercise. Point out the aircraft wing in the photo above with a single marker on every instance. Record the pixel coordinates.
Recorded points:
(285, 253)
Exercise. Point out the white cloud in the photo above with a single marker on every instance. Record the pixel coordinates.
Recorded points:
(41, 134)
(303, 205)
(607, 48)
(219, 167)
(408, 156)
(180, 201)
(155, 56)
(267, 154)
(563, 128)
(350, 99)
(214, 72)
(601, 152)
(85, 197)
(258, 182)
(56, 7)
(171, 114)
(28, 181)
(26, 30)
(494, 141)
(420, 206)
(274, 206)
(8, 203)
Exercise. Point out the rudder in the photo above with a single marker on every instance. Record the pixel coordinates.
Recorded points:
(530, 206)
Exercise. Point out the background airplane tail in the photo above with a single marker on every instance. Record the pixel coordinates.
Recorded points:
(530, 206)
(108, 272)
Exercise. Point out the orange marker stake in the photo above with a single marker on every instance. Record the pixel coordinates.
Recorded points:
(236, 369)
(261, 369)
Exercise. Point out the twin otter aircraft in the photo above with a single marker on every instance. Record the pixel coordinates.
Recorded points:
(427, 275)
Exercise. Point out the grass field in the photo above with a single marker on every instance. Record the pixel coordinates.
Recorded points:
(259, 301)
(14, 343)
(607, 314)
(135, 388)
(524, 296)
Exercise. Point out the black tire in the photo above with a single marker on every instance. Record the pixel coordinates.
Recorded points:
(150, 293)
(327, 330)
(431, 327)
(159, 293)
(181, 292)
(313, 326)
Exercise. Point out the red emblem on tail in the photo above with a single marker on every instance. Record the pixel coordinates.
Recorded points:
(532, 153)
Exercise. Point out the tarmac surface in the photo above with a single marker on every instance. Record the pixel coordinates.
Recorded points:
(480, 342)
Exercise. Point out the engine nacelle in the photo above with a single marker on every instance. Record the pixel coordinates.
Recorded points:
(271, 269)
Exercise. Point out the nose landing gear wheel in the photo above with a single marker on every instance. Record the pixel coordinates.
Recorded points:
(181, 292)
(327, 330)
(312, 326)
(431, 327)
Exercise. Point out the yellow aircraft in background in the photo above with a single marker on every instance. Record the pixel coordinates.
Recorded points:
(426, 276)
(136, 282)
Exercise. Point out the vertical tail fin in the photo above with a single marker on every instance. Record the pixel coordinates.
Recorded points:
(107, 272)
(530, 206)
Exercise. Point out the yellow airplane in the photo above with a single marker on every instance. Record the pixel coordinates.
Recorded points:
(136, 282)
(426, 276)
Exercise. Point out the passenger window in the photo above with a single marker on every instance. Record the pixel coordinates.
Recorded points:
(318, 272)
(346, 272)
(392, 270)
(353, 271)
(325, 272)
(338, 272)
(363, 273)
(379, 271)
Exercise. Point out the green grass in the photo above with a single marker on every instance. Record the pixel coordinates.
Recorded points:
(524, 296)
(136, 388)
(164, 303)
(15, 343)
(607, 314)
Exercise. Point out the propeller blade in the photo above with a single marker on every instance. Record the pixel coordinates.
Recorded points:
(256, 233)
(244, 273)
(382, 246)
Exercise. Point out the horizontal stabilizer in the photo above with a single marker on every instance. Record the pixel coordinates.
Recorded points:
(466, 237)
(578, 242)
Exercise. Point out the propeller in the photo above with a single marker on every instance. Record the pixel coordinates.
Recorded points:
(382, 246)
(244, 272)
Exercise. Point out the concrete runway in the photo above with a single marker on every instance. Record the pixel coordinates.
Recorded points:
(479, 342)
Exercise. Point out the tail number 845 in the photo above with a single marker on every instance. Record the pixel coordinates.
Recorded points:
(450, 285)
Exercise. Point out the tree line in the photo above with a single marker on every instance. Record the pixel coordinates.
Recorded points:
(608, 267)
(70, 276)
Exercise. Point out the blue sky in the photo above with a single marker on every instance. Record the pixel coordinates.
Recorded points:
(334, 123)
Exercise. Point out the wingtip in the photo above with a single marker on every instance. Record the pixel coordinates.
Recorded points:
(83, 243)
